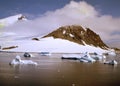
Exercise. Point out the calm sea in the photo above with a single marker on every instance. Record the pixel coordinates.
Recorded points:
(53, 71)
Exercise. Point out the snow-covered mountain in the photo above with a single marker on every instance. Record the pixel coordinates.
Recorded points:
(11, 20)
(66, 39)
(77, 34)
(6, 30)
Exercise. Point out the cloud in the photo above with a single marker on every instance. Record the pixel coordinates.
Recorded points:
(78, 13)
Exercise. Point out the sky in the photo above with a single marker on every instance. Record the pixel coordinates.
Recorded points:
(102, 16)
(38, 7)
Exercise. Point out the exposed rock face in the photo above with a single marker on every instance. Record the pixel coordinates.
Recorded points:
(78, 35)
(36, 39)
(11, 47)
(21, 17)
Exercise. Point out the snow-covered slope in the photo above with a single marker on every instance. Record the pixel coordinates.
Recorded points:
(71, 39)
(6, 31)
(11, 20)
(50, 44)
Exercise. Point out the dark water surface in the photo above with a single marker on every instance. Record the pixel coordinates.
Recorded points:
(52, 71)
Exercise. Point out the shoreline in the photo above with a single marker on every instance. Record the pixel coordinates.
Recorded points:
(117, 52)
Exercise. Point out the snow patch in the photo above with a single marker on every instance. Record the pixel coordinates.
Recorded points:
(64, 32)
(83, 42)
(71, 35)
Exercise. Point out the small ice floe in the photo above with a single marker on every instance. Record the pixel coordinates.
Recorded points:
(111, 52)
(18, 60)
(87, 58)
(27, 55)
(45, 53)
(98, 56)
(71, 56)
(112, 62)
(84, 60)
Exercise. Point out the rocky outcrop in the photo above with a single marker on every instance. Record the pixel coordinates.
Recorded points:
(78, 35)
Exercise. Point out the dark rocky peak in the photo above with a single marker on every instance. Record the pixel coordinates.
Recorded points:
(91, 38)
(77, 34)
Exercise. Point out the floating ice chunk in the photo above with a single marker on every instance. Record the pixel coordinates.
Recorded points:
(71, 56)
(27, 54)
(112, 62)
(84, 60)
(111, 52)
(28, 62)
(45, 53)
(87, 57)
(18, 60)
(98, 56)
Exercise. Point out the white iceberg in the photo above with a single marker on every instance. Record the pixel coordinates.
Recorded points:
(82, 58)
(87, 58)
(45, 53)
(71, 56)
(98, 57)
(112, 53)
(112, 62)
(18, 61)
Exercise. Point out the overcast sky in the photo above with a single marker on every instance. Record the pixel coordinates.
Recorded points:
(102, 16)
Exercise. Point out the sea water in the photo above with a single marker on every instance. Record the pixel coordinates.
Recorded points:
(53, 71)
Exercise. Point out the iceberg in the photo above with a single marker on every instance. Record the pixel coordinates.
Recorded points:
(45, 53)
(18, 61)
(82, 58)
(71, 56)
(98, 57)
(112, 62)
(87, 58)
(27, 55)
